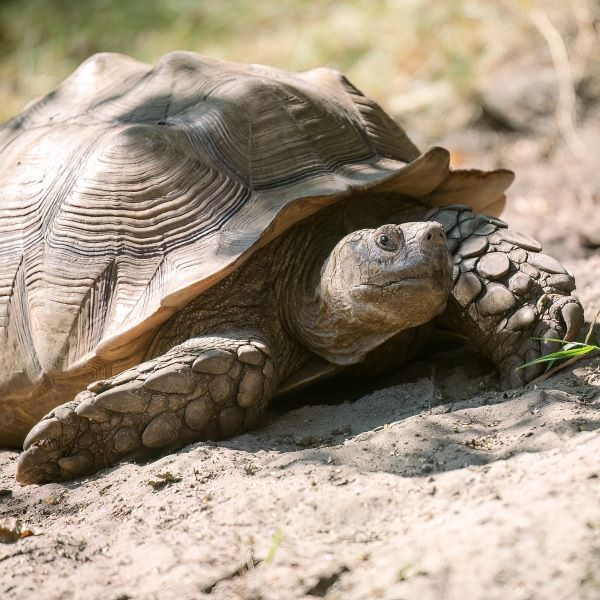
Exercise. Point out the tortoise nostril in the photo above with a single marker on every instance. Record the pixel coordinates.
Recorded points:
(429, 236)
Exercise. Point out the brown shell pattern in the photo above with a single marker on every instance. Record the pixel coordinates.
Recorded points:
(131, 188)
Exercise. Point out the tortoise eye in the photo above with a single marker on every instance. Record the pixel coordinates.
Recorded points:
(385, 242)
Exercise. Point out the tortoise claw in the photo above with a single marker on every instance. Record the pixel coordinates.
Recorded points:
(572, 314)
(45, 446)
(562, 321)
(37, 465)
(47, 429)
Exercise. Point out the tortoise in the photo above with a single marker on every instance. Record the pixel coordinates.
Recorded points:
(183, 242)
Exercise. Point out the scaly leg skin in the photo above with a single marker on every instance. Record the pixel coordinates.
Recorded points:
(206, 388)
(506, 293)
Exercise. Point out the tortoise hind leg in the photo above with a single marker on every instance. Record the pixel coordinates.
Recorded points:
(506, 293)
(206, 388)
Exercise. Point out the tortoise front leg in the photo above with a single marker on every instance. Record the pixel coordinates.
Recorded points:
(206, 388)
(506, 293)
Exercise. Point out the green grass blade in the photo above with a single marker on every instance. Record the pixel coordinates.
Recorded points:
(570, 353)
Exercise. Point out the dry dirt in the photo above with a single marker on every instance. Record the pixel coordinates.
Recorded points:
(415, 487)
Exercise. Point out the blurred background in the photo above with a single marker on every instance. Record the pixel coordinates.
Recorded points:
(513, 83)
(431, 64)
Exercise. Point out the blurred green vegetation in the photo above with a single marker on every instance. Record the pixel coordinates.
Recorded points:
(416, 57)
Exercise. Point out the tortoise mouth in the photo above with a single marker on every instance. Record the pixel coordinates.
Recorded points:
(433, 275)
(397, 282)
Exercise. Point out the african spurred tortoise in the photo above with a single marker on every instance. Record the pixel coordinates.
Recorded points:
(189, 238)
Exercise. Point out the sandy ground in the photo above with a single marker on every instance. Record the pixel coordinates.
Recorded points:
(416, 487)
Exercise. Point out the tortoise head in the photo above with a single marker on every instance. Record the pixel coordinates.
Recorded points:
(378, 282)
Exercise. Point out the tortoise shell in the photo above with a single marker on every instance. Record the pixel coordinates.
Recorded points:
(131, 188)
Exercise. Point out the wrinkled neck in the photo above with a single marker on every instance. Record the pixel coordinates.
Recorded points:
(315, 312)
(308, 310)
